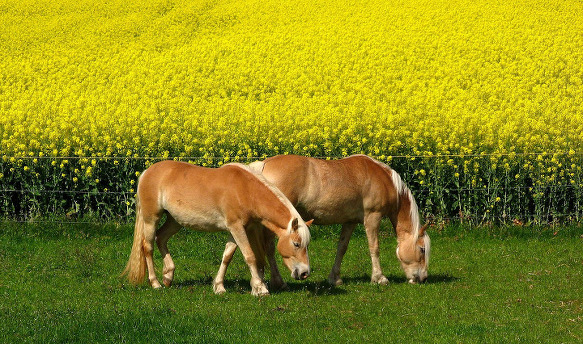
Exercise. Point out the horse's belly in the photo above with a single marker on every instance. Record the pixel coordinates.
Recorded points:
(332, 213)
(206, 221)
(203, 226)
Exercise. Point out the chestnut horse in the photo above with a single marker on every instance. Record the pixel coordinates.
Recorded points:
(230, 198)
(356, 189)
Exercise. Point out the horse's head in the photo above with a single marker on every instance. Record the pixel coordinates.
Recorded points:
(413, 253)
(293, 247)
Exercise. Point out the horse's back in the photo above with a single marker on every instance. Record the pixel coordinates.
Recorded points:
(289, 173)
(172, 177)
(330, 191)
(195, 196)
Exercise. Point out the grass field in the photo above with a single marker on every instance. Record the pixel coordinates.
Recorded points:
(60, 283)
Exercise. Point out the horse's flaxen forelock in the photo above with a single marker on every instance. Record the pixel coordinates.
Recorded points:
(255, 170)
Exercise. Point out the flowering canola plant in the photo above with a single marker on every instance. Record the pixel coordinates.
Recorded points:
(478, 104)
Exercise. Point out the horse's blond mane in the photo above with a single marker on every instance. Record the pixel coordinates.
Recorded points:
(302, 230)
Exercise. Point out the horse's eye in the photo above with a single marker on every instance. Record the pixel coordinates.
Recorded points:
(296, 244)
(422, 250)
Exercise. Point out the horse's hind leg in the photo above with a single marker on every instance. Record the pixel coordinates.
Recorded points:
(168, 229)
(149, 236)
(372, 222)
(347, 229)
(218, 283)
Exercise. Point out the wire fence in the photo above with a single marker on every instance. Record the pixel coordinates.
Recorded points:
(520, 188)
(260, 157)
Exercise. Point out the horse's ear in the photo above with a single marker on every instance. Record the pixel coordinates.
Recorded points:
(294, 224)
(309, 223)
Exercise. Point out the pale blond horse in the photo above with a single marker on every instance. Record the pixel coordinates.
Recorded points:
(231, 198)
(356, 189)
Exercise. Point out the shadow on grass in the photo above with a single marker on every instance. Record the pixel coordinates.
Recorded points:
(431, 279)
(244, 286)
(207, 280)
(441, 278)
(315, 288)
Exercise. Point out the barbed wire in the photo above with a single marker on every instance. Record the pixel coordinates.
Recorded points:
(420, 190)
(67, 192)
(429, 218)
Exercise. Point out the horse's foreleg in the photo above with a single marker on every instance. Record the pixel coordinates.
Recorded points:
(347, 230)
(258, 287)
(167, 230)
(372, 223)
(218, 283)
(277, 281)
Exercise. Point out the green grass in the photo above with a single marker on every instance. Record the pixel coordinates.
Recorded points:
(60, 283)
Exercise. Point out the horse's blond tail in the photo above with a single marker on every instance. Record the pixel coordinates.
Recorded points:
(136, 266)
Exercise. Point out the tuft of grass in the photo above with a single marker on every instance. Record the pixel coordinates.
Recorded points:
(60, 283)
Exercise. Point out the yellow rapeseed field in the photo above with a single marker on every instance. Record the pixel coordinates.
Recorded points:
(458, 95)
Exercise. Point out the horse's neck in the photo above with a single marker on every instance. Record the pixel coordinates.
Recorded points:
(273, 214)
(275, 224)
(405, 232)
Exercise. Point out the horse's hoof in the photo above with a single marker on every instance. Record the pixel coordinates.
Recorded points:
(219, 289)
(260, 291)
(380, 280)
(167, 282)
(335, 281)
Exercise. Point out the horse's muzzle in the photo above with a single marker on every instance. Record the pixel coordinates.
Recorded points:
(418, 278)
(301, 274)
